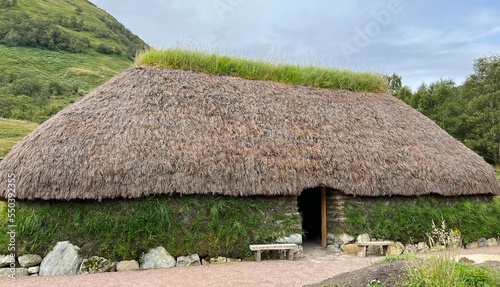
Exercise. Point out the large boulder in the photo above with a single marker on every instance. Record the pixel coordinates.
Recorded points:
(343, 238)
(190, 260)
(396, 249)
(482, 242)
(158, 258)
(294, 238)
(410, 249)
(365, 237)
(62, 260)
(29, 260)
(492, 242)
(335, 248)
(129, 265)
(351, 249)
(96, 264)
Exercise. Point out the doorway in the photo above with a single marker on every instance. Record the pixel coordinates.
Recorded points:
(312, 207)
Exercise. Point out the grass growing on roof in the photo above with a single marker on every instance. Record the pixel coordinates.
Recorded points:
(215, 64)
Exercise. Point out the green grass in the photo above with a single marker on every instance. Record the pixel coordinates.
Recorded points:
(260, 70)
(85, 70)
(124, 229)
(395, 258)
(446, 272)
(78, 74)
(12, 131)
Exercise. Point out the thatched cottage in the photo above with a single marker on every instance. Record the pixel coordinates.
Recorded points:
(151, 131)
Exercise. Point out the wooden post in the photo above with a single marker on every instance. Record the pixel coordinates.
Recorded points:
(324, 242)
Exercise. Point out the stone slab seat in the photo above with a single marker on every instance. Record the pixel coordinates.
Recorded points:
(386, 246)
(258, 248)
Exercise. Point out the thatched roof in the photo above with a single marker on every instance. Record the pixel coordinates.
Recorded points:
(157, 131)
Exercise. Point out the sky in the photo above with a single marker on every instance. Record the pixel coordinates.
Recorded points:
(422, 41)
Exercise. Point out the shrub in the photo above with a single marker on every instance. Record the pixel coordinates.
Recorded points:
(104, 48)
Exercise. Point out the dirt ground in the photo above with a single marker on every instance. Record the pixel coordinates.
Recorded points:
(316, 266)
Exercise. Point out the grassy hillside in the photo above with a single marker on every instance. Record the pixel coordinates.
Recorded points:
(54, 51)
(258, 70)
(12, 131)
(67, 25)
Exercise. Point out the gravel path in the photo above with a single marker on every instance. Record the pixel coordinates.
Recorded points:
(314, 267)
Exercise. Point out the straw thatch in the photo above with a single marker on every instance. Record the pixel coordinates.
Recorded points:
(157, 131)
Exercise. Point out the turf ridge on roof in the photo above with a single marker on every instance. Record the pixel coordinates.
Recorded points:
(216, 64)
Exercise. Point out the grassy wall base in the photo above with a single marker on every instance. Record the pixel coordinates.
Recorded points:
(125, 229)
(408, 219)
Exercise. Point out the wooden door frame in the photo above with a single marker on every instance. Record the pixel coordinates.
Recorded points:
(324, 241)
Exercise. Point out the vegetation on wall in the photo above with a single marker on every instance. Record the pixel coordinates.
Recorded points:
(408, 219)
(124, 229)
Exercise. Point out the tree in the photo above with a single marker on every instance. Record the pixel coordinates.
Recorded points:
(397, 89)
(482, 90)
(394, 82)
(404, 93)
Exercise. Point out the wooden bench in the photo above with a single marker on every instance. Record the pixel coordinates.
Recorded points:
(385, 246)
(258, 248)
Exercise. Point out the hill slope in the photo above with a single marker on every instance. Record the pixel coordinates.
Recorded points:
(12, 131)
(67, 25)
(54, 51)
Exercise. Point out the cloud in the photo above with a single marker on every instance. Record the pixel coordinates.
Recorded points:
(424, 40)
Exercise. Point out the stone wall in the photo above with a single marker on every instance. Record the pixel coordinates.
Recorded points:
(336, 219)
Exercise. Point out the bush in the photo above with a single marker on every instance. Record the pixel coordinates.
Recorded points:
(104, 48)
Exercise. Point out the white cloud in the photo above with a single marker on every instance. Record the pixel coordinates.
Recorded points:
(425, 40)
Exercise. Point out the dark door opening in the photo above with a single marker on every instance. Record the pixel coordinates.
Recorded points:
(309, 203)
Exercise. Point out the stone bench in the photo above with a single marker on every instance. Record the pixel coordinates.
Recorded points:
(385, 246)
(258, 248)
